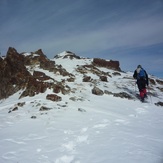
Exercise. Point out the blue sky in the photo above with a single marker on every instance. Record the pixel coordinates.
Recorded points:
(130, 31)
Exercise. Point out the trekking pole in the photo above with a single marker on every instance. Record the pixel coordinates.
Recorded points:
(135, 87)
(149, 94)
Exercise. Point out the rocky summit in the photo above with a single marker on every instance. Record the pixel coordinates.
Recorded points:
(31, 73)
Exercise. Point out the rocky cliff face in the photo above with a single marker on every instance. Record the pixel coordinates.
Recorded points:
(15, 75)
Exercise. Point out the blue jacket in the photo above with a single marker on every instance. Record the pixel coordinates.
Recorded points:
(135, 76)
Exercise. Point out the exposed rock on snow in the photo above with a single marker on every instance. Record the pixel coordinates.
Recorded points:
(86, 78)
(67, 54)
(104, 78)
(13, 109)
(97, 91)
(159, 103)
(123, 95)
(116, 74)
(33, 117)
(41, 76)
(152, 81)
(21, 104)
(81, 110)
(53, 97)
(108, 64)
(159, 81)
(44, 108)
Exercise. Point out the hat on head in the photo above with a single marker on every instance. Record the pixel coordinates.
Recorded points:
(139, 66)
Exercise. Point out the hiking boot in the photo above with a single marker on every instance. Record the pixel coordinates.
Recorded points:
(145, 96)
(142, 99)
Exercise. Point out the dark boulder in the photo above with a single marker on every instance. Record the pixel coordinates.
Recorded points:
(53, 97)
(97, 91)
(103, 78)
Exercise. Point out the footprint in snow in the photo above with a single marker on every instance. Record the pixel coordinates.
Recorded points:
(15, 141)
(66, 159)
(141, 110)
(82, 139)
(9, 155)
(72, 141)
(100, 126)
(121, 121)
(69, 146)
(69, 132)
(83, 130)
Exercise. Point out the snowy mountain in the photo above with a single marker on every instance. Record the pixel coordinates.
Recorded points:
(71, 109)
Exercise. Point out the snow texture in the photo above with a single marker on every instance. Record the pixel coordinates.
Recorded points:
(109, 130)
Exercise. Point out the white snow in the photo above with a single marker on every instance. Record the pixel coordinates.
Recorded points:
(109, 130)
(26, 54)
(33, 55)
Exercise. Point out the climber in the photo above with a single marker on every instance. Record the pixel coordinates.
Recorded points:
(142, 81)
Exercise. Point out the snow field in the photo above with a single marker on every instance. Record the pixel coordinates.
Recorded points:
(92, 129)
(109, 131)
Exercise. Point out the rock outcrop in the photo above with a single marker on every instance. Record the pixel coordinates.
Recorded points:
(15, 76)
(13, 73)
(108, 64)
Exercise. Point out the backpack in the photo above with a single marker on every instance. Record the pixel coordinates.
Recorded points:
(141, 74)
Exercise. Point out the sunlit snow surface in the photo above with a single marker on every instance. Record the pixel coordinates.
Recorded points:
(106, 130)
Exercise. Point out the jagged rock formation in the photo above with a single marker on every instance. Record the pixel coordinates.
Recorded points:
(15, 75)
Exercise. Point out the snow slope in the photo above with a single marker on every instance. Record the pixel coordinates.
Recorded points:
(92, 129)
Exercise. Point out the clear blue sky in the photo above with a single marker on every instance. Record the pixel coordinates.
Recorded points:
(130, 31)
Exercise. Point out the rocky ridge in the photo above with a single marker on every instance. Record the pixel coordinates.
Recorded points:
(33, 73)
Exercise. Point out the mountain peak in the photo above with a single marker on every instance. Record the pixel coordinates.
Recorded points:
(67, 54)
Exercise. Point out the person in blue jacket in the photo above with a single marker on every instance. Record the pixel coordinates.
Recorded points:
(142, 81)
